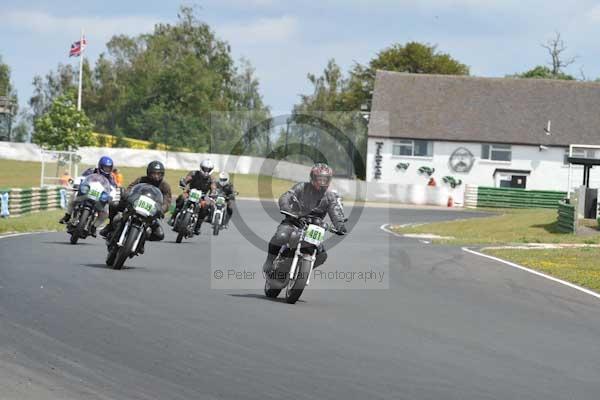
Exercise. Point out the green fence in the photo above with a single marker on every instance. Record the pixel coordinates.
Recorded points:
(518, 198)
(15, 202)
(567, 221)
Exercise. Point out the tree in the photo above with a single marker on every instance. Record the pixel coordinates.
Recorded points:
(161, 86)
(543, 72)
(412, 57)
(555, 47)
(8, 92)
(63, 127)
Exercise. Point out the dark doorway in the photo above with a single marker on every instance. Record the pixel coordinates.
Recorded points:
(518, 181)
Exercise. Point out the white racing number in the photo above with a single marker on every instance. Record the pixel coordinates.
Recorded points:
(314, 234)
(145, 206)
(96, 190)
(195, 195)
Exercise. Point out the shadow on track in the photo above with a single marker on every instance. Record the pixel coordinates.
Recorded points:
(262, 297)
(104, 266)
(67, 243)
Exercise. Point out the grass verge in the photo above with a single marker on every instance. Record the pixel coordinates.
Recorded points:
(512, 226)
(576, 265)
(579, 266)
(33, 222)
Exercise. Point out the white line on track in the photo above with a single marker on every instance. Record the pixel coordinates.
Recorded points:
(384, 228)
(23, 234)
(531, 271)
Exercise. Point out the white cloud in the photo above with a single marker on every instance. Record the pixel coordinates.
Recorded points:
(262, 30)
(99, 27)
(594, 13)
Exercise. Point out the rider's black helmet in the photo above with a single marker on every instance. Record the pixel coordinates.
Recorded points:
(155, 171)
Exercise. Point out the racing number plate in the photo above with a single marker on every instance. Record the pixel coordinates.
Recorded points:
(94, 194)
(314, 234)
(195, 195)
(220, 200)
(145, 205)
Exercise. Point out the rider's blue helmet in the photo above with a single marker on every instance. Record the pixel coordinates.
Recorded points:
(105, 166)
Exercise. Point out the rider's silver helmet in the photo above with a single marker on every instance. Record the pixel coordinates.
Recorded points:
(206, 167)
(223, 178)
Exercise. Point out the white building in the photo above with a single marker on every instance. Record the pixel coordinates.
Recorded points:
(481, 131)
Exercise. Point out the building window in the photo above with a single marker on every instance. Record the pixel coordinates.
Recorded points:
(496, 152)
(413, 148)
(579, 153)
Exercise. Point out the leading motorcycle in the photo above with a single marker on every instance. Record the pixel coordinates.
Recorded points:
(294, 264)
(133, 225)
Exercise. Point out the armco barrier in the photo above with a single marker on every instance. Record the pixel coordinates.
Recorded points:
(517, 198)
(17, 202)
(567, 222)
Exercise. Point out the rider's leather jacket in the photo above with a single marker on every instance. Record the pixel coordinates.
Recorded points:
(304, 199)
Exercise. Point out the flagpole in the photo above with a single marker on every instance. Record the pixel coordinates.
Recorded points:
(80, 71)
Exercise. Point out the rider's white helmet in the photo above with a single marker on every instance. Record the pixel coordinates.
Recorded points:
(223, 178)
(206, 167)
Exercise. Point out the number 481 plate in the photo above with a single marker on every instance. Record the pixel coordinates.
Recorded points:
(314, 234)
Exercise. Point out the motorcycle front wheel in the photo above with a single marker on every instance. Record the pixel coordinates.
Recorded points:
(127, 248)
(182, 226)
(83, 220)
(294, 289)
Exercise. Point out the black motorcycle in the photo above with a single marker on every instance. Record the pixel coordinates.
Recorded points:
(187, 217)
(93, 195)
(294, 264)
(133, 225)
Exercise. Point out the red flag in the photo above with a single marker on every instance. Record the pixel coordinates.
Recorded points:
(77, 48)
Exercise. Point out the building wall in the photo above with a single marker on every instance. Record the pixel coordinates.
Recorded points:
(547, 169)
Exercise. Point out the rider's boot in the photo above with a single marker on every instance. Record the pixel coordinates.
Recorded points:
(65, 218)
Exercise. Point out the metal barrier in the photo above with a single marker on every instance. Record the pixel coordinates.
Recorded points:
(567, 220)
(16, 202)
(517, 198)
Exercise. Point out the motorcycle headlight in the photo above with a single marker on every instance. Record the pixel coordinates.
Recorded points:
(104, 197)
(84, 188)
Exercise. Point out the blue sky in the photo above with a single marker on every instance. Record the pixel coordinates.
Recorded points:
(285, 40)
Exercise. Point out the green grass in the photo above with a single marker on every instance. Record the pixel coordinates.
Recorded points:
(22, 174)
(579, 266)
(33, 222)
(512, 226)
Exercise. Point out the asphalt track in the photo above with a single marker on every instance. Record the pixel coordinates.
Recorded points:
(451, 325)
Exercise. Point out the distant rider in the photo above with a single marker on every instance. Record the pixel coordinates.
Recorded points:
(304, 199)
(199, 180)
(225, 185)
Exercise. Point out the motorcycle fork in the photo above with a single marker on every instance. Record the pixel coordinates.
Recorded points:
(123, 233)
(313, 258)
(142, 232)
(297, 256)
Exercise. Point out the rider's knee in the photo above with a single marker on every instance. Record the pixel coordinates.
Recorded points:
(157, 234)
